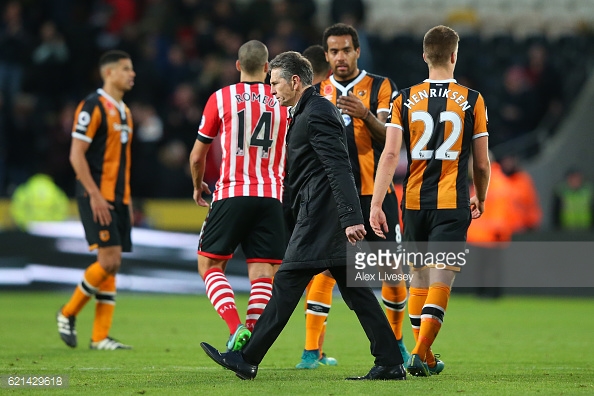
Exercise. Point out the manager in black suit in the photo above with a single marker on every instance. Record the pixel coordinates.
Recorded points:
(325, 213)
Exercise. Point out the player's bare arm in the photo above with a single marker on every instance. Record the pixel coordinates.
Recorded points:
(99, 205)
(354, 107)
(481, 171)
(197, 167)
(383, 177)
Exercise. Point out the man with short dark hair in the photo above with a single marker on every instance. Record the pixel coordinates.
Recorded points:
(100, 155)
(324, 214)
(317, 57)
(364, 101)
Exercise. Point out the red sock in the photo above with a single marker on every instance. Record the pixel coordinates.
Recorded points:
(260, 294)
(222, 298)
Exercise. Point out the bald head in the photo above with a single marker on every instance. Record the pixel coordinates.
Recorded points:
(253, 55)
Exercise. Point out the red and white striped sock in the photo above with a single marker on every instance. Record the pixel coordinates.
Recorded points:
(221, 296)
(259, 297)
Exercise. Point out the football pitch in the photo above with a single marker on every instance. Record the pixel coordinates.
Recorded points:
(511, 346)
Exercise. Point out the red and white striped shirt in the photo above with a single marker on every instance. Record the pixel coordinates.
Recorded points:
(253, 128)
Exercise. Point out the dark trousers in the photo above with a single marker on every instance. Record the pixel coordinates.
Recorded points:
(287, 290)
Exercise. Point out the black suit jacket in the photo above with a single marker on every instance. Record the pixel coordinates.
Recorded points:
(319, 185)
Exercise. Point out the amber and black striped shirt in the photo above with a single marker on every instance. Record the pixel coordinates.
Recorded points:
(376, 93)
(107, 125)
(439, 120)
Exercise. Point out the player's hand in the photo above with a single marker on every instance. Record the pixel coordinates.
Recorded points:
(477, 208)
(101, 209)
(378, 222)
(352, 106)
(355, 233)
(198, 194)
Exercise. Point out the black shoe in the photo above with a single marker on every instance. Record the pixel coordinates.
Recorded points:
(383, 373)
(231, 360)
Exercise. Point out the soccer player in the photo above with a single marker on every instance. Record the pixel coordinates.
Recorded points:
(316, 55)
(325, 210)
(442, 124)
(100, 155)
(246, 207)
(364, 100)
(323, 284)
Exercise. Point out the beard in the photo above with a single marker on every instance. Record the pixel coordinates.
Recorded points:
(344, 73)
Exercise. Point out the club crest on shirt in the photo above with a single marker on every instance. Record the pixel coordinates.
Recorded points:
(362, 93)
(347, 119)
(328, 90)
(104, 235)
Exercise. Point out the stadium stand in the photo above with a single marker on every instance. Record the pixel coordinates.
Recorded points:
(184, 50)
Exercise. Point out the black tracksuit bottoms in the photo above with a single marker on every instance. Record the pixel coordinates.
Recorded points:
(287, 290)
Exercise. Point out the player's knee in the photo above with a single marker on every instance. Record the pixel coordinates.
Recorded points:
(206, 263)
(110, 259)
(260, 270)
(260, 274)
(111, 266)
(445, 276)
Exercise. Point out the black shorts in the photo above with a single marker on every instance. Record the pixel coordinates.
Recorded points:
(117, 233)
(437, 231)
(391, 210)
(254, 222)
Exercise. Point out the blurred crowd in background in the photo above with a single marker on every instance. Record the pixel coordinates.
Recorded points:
(184, 50)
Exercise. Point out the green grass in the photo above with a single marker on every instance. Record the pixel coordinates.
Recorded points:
(512, 346)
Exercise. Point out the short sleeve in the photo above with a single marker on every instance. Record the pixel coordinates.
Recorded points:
(386, 95)
(87, 120)
(210, 122)
(395, 114)
(480, 118)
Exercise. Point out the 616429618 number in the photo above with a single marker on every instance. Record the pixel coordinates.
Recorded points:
(33, 381)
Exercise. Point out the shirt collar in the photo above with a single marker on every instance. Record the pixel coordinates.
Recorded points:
(306, 94)
(118, 105)
(449, 80)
